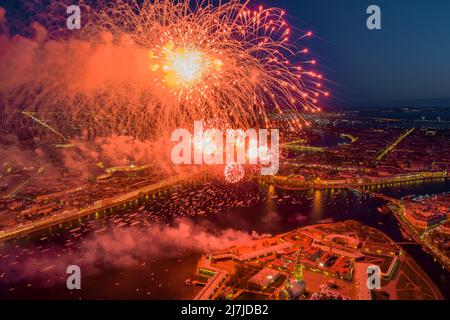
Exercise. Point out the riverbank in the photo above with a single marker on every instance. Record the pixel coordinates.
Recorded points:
(280, 182)
(421, 238)
(99, 206)
(292, 182)
(320, 259)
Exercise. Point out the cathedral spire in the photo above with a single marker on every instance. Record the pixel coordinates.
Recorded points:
(298, 271)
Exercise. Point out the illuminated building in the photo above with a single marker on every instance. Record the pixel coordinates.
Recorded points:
(264, 278)
(296, 287)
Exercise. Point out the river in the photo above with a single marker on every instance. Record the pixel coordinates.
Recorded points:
(34, 267)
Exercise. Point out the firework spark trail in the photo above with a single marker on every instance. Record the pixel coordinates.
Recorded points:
(234, 173)
(141, 68)
(42, 123)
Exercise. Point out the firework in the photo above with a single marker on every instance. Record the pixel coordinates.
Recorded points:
(234, 173)
(152, 66)
(30, 115)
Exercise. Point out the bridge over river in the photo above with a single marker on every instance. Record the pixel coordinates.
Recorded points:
(377, 195)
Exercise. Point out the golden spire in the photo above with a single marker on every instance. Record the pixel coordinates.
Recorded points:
(298, 271)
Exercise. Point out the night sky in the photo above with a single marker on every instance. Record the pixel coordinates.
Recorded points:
(408, 59)
(405, 61)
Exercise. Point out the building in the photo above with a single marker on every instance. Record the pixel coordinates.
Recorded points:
(296, 287)
(264, 278)
(216, 278)
(363, 292)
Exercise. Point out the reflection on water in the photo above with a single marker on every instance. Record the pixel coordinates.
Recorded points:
(415, 187)
(317, 206)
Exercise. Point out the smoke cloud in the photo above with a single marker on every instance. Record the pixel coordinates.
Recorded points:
(100, 84)
(121, 248)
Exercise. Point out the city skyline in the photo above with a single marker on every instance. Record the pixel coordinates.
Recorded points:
(224, 150)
